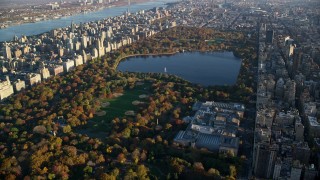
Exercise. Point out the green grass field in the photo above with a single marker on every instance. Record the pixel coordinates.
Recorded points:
(117, 108)
(215, 41)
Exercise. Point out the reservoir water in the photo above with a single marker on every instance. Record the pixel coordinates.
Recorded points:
(28, 29)
(216, 68)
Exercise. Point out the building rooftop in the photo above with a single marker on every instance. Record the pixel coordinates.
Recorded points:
(313, 121)
(209, 141)
(214, 141)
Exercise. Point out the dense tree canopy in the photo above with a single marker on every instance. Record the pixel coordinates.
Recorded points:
(41, 127)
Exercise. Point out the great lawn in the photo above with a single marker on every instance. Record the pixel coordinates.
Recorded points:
(117, 108)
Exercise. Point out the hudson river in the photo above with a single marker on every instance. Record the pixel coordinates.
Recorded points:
(28, 29)
(216, 68)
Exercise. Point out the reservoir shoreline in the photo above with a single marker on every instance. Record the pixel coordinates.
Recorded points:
(216, 68)
(167, 54)
(140, 55)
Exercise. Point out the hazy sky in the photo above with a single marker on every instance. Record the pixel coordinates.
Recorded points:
(20, 2)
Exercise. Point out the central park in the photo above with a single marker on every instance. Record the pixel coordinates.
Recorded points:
(110, 119)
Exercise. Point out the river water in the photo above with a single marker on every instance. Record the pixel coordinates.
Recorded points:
(217, 68)
(28, 29)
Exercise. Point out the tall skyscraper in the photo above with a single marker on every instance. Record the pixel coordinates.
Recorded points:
(73, 26)
(296, 170)
(297, 57)
(84, 42)
(290, 92)
(7, 52)
(6, 88)
(299, 129)
(277, 169)
(265, 161)
(269, 36)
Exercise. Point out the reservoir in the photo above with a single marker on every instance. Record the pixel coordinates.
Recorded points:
(28, 29)
(214, 68)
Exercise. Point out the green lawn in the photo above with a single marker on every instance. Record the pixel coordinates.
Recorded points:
(117, 108)
(215, 41)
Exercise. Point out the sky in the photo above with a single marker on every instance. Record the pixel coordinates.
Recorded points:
(5, 3)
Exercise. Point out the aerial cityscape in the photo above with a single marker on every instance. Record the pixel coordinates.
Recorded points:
(160, 89)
